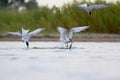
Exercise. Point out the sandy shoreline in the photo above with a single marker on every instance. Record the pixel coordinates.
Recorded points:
(76, 37)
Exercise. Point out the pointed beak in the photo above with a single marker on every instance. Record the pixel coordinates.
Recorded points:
(27, 44)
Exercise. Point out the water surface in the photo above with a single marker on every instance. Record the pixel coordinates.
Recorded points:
(47, 61)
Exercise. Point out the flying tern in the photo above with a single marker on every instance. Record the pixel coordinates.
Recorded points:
(92, 7)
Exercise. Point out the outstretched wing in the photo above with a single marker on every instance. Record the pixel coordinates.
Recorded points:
(15, 33)
(35, 32)
(99, 6)
(77, 29)
(63, 33)
(81, 5)
(84, 6)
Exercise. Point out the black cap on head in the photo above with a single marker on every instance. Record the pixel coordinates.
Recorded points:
(90, 13)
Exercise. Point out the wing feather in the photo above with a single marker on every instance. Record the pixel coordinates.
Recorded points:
(82, 6)
(77, 29)
(100, 6)
(35, 32)
(63, 33)
(15, 33)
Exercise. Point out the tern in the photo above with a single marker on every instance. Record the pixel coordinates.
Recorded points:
(92, 7)
(66, 36)
(26, 35)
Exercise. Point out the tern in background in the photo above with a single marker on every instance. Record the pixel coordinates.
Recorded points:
(66, 36)
(26, 35)
(92, 7)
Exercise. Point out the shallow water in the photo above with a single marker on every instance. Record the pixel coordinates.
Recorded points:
(47, 61)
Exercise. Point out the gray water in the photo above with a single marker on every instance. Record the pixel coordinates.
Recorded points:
(47, 61)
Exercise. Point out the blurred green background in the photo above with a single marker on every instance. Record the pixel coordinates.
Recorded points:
(106, 20)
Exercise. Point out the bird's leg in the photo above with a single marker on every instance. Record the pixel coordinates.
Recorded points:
(27, 44)
(70, 44)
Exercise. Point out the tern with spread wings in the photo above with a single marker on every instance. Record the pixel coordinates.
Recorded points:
(66, 37)
(26, 35)
(92, 7)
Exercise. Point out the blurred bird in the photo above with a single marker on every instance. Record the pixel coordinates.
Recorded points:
(92, 7)
(26, 35)
(66, 36)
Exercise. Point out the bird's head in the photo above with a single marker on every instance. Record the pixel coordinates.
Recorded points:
(90, 13)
